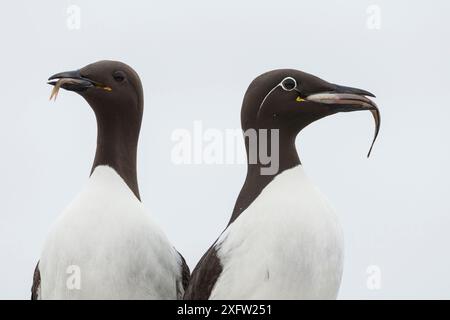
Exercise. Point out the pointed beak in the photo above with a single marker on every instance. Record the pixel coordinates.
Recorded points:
(71, 80)
(347, 99)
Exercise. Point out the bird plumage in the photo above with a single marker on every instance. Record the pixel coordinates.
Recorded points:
(288, 244)
(120, 252)
(283, 240)
(104, 245)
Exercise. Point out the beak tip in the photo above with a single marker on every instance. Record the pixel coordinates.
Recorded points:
(65, 74)
(55, 76)
(367, 94)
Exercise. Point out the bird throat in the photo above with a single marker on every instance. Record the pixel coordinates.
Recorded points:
(117, 141)
(257, 178)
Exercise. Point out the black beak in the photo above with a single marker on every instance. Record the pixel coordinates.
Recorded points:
(71, 80)
(346, 99)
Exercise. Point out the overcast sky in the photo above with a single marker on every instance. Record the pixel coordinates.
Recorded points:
(196, 59)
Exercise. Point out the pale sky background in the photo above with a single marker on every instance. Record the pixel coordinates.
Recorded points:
(196, 59)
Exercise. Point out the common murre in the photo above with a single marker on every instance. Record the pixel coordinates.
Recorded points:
(283, 240)
(104, 235)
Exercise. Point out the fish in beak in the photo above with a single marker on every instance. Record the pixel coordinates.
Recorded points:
(72, 81)
(347, 99)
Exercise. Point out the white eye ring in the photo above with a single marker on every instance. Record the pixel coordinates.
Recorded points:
(283, 86)
(287, 87)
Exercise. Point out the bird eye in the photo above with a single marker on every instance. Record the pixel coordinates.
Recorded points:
(119, 76)
(289, 84)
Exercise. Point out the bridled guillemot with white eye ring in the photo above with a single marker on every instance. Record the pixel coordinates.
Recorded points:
(283, 240)
(104, 241)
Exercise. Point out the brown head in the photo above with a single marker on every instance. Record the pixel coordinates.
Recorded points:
(114, 92)
(288, 100)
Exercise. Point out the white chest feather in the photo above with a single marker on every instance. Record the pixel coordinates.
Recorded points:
(287, 244)
(104, 246)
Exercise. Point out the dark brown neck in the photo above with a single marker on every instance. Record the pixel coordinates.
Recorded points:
(117, 140)
(255, 182)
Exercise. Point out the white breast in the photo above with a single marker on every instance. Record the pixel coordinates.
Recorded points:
(287, 244)
(105, 237)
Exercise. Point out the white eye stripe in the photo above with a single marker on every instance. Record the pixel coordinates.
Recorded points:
(285, 85)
